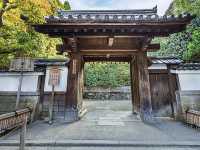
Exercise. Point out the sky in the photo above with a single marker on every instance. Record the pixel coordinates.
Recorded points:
(119, 4)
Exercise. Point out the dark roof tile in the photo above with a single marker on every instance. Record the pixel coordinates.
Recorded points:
(113, 16)
(188, 66)
(51, 62)
(165, 60)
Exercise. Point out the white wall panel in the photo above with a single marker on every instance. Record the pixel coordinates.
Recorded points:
(9, 82)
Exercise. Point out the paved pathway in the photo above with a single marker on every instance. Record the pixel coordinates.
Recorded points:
(97, 148)
(111, 121)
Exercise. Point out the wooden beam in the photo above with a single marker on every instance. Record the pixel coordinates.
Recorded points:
(103, 29)
(117, 53)
(108, 50)
(99, 36)
(150, 48)
(73, 44)
(89, 25)
(153, 47)
(105, 58)
(145, 42)
(110, 41)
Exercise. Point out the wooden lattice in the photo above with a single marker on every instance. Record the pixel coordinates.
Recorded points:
(14, 119)
(193, 118)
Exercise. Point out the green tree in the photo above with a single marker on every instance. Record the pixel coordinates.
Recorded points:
(184, 45)
(67, 5)
(107, 75)
(194, 46)
(18, 38)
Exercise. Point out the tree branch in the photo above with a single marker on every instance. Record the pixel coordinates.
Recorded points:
(10, 6)
(6, 6)
(3, 51)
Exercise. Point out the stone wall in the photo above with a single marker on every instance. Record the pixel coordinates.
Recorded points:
(186, 100)
(121, 93)
(59, 104)
(8, 102)
(190, 100)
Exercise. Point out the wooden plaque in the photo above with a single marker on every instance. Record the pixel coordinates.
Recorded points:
(22, 64)
(54, 76)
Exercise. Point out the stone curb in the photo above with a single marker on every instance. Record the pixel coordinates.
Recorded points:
(101, 143)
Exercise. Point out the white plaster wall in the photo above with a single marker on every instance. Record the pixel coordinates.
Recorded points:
(158, 66)
(9, 82)
(63, 80)
(189, 81)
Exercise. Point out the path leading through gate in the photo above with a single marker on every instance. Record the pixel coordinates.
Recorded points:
(110, 121)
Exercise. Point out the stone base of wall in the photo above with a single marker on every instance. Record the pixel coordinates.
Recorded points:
(124, 93)
(190, 100)
(121, 93)
(8, 102)
(187, 100)
(59, 104)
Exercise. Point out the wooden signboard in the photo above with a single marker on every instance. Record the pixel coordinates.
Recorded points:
(22, 64)
(54, 80)
(54, 76)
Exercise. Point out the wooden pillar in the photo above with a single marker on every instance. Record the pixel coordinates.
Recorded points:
(51, 104)
(74, 94)
(172, 90)
(81, 84)
(143, 85)
(134, 86)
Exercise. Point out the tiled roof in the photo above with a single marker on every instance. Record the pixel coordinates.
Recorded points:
(40, 64)
(165, 60)
(51, 62)
(188, 66)
(113, 16)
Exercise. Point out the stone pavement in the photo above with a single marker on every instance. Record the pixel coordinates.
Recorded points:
(98, 148)
(111, 121)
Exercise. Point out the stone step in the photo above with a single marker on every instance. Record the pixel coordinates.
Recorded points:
(103, 143)
(96, 148)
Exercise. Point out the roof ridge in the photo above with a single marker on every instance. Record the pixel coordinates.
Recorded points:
(115, 11)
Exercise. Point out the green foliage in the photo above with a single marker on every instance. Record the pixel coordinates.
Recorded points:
(18, 38)
(194, 46)
(67, 5)
(192, 6)
(184, 45)
(107, 75)
(174, 46)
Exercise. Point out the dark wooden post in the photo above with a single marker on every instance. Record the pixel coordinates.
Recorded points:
(23, 134)
(51, 104)
(72, 86)
(172, 90)
(134, 86)
(81, 84)
(74, 92)
(143, 85)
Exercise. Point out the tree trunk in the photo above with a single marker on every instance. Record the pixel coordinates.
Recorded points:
(1, 18)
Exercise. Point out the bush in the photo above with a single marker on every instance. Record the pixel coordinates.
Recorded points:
(107, 75)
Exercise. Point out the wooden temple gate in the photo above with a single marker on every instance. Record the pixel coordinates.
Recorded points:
(111, 35)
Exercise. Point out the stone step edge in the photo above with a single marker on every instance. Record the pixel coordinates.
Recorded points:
(104, 143)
